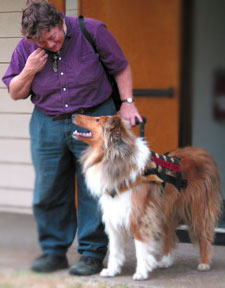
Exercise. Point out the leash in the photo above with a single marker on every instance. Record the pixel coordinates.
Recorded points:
(141, 125)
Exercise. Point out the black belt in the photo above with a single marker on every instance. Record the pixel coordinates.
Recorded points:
(78, 111)
(69, 115)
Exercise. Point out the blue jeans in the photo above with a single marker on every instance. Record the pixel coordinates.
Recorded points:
(55, 157)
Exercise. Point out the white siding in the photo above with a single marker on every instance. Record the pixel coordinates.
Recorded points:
(16, 170)
(10, 24)
(71, 8)
(14, 126)
(18, 155)
(12, 5)
(10, 203)
(7, 46)
(10, 179)
(11, 106)
(3, 67)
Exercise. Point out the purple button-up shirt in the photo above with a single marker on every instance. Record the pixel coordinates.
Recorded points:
(80, 81)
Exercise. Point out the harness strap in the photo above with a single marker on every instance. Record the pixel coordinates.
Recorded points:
(164, 162)
(158, 174)
(139, 180)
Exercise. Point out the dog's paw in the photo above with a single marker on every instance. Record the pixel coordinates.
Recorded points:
(166, 261)
(109, 272)
(140, 276)
(203, 267)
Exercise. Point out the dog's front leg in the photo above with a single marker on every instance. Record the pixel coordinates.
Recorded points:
(116, 253)
(146, 261)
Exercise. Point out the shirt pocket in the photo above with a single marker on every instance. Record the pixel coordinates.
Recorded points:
(46, 81)
(85, 70)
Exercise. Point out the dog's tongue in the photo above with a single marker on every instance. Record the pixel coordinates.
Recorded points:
(85, 135)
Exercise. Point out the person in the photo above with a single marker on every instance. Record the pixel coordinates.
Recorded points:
(57, 67)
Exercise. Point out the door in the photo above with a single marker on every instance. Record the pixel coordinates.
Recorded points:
(148, 31)
(59, 4)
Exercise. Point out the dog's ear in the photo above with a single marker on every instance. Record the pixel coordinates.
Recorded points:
(112, 131)
(115, 122)
(115, 127)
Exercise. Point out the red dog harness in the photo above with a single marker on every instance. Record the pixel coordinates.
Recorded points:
(168, 169)
(164, 169)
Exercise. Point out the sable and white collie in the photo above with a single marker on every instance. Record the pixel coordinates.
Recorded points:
(145, 207)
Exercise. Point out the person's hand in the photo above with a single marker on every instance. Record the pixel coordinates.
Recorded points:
(36, 61)
(129, 112)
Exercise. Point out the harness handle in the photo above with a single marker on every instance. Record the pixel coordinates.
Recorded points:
(142, 125)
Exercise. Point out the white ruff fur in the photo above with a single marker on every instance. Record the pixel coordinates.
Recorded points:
(94, 175)
(116, 216)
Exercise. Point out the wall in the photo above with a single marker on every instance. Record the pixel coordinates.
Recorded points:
(71, 7)
(209, 55)
(16, 170)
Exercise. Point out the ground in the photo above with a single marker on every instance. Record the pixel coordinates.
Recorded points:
(19, 246)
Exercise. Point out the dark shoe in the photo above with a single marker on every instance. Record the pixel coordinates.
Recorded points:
(49, 263)
(87, 266)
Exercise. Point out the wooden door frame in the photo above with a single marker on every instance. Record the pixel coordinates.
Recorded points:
(185, 110)
(59, 4)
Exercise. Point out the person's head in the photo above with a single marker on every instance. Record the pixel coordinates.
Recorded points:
(42, 23)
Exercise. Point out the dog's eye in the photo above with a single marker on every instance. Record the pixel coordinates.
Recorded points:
(97, 119)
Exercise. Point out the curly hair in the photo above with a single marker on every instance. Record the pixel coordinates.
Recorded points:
(39, 15)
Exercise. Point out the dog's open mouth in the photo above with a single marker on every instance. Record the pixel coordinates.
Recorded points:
(83, 135)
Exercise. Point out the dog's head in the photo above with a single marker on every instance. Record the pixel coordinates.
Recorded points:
(113, 146)
(106, 131)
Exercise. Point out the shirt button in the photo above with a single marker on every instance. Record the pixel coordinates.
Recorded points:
(66, 105)
(64, 89)
(62, 73)
(60, 58)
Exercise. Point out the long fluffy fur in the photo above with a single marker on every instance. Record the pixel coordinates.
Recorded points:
(148, 212)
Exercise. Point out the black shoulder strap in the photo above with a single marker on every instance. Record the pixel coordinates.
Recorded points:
(86, 33)
(111, 79)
